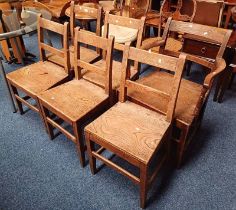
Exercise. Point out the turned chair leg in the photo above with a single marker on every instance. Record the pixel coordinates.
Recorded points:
(19, 104)
(79, 143)
(90, 149)
(143, 185)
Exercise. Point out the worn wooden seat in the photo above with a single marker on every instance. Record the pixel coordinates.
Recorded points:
(78, 101)
(131, 23)
(133, 132)
(43, 75)
(81, 98)
(191, 118)
(37, 77)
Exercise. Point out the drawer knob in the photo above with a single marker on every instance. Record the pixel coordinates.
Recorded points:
(203, 50)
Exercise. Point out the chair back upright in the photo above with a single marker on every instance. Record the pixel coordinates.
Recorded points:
(93, 12)
(174, 65)
(85, 37)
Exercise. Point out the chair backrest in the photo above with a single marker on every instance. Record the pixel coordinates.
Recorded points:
(213, 9)
(137, 24)
(202, 33)
(57, 28)
(93, 12)
(175, 65)
(106, 44)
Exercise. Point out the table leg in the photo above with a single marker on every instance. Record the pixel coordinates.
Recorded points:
(2, 72)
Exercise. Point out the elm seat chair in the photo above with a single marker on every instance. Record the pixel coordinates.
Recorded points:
(43, 75)
(193, 96)
(125, 30)
(78, 101)
(135, 133)
(87, 54)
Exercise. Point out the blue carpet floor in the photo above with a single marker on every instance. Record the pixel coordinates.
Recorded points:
(36, 173)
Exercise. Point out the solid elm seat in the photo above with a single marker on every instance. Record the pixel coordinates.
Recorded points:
(187, 101)
(37, 77)
(139, 133)
(116, 74)
(80, 95)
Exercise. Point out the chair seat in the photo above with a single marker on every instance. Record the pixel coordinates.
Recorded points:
(130, 128)
(87, 55)
(116, 74)
(188, 97)
(122, 34)
(37, 77)
(74, 99)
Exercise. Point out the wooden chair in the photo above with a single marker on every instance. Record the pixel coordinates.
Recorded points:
(184, 11)
(193, 96)
(213, 9)
(124, 30)
(87, 54)
(135, 133)
(40, 76)
(78, 101)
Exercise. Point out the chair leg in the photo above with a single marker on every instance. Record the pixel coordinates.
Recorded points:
(181, 146)
(90, 148)
(189, 65)
(49, 127)
(19, 104)
(79, 143)
(143, 185)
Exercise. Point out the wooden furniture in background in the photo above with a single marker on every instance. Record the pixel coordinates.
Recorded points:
(193, 96)
(209, 12)
(57, 8)
(86, 54)
(40, 76)
(229, 4)
(78, 101)
(125, 30)
(135, 133)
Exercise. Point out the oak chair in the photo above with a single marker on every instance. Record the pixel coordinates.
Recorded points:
(193, 96)
(125, 30)
(43, 75)
(133, 132)
(87, 54)
(213, 9)
(78, 101)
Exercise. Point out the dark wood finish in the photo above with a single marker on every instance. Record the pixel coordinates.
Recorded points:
(40, 76)
(79, 100)
(133, 132)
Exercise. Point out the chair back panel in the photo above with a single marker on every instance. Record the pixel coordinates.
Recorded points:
(80, 9)
(57, 28)
(212, 8)
(175, 65)
(85, 37)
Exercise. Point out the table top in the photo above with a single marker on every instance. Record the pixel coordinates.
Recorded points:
(106, 5)
(15, 26)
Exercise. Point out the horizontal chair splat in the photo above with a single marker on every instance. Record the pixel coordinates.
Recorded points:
(91, 67)
(52, 49)
(64, 131)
